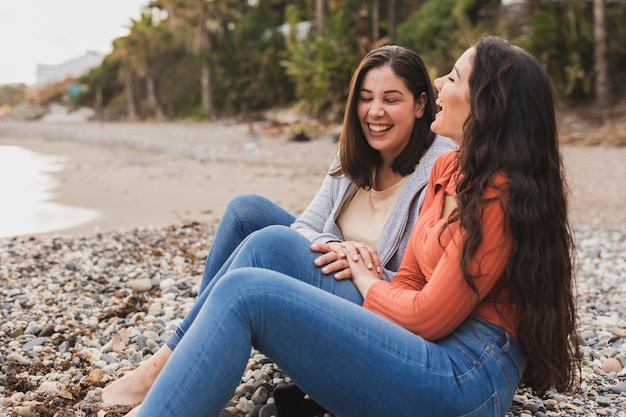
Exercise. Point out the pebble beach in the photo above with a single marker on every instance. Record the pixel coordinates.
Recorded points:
(81, 307)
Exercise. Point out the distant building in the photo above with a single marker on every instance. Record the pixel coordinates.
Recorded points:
(72, 68)
(53, 81)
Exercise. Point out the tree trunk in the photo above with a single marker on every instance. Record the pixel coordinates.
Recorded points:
(375, 22)
(207, 97)
(601, 69)
(391, 18)
(152, 99)
(131, 110)
(319, 17)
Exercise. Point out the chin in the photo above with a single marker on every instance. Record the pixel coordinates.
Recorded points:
(437, 131)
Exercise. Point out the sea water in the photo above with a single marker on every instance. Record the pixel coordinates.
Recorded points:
(26, 187)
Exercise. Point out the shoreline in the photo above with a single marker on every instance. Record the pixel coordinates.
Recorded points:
(160, 174)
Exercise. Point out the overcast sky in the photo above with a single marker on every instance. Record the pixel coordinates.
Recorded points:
(52, 31)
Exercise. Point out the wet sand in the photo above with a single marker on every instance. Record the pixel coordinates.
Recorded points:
(166, 174)
(142, 174)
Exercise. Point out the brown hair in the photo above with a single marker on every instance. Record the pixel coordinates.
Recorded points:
(357, 158)
(512, 129)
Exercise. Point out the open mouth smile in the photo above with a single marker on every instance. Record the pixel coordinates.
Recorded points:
(379, 128)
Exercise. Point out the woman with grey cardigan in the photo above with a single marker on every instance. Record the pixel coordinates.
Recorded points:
(366, 206)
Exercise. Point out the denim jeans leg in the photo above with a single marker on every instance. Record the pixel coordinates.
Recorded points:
(278, 248)
(243, 215)
(284, 250)
(350, 360)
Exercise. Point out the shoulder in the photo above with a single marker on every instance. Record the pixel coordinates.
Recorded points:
(443, 171)
(440, 145)
(445, 164)
(334, 165)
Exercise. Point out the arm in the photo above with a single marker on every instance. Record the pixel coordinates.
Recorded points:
(317, 224)
(311, 223)
(434, 307)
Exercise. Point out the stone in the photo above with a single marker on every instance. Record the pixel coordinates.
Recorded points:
(611, 365)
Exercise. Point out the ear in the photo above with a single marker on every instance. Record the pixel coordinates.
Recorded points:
(420, 105)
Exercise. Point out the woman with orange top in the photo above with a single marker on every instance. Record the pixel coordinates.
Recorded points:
(483, 299)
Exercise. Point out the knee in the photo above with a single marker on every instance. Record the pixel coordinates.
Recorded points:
(272, 235)
(245, 281)
(243, 202)
(242, 207)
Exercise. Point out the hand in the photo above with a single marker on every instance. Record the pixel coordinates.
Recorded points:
(332, 260)
(334, 257)
(362, 276)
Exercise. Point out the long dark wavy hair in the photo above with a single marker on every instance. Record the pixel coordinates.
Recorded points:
(511, 128)
(357, 158)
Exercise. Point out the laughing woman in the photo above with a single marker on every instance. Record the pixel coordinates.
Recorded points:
(483, 299)
(366, 206)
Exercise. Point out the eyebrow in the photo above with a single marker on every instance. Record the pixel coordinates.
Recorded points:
(384, 92)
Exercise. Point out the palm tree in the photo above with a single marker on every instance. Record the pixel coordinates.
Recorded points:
(149, 39)
(200, 25)
(121, 54)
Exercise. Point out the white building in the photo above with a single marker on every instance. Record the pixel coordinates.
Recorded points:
(72, 68)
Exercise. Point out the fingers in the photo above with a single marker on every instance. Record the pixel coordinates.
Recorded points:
(334, 258)
(345, 273)
(321, 247)
(360, 252)
(332, 252)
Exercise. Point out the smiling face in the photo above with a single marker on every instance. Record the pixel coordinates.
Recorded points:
(387, 111)
(453, 98)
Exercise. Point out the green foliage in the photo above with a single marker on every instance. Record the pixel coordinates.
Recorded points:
(441, 30)
(562, 39)
(178, 86)
(103, 78)
(321, 66)
(254, 67)
(248, 75)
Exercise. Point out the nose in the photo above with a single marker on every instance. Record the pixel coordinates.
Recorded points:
(438, 83)
(376, 108)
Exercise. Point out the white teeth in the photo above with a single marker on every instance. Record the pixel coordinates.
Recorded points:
(379, 128)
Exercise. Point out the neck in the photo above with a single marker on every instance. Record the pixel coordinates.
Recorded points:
(385, 177)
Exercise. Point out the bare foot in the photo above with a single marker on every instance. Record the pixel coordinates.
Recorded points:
(133, 412)
(133, 387)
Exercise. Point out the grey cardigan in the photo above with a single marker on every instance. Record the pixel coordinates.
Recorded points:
(318, 221)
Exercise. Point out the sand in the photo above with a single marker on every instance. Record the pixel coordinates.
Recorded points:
(142, 174)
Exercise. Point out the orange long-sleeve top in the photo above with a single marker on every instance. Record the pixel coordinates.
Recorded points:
(429, 295)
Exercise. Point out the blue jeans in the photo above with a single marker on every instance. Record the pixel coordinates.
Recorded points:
(254, 232)
(350, 360)
(243, 215)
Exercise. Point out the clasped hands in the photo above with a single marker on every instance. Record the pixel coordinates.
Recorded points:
(344, 259)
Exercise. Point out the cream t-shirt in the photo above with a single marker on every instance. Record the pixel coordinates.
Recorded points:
(363, 217)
